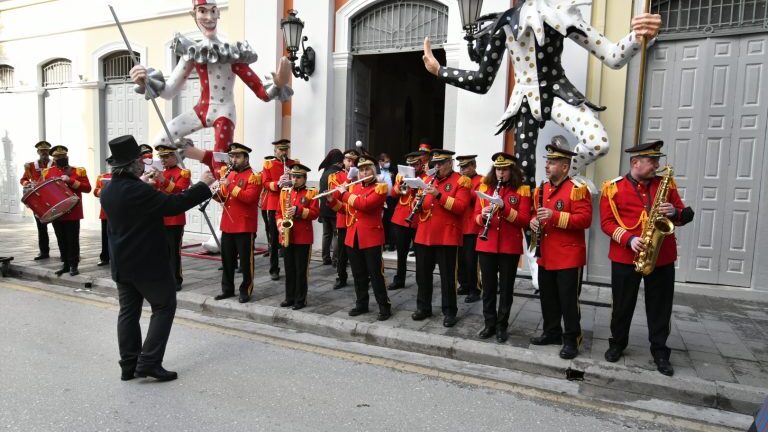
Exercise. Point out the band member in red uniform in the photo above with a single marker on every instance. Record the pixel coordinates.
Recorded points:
(32, 175)
(275, 177)
(263, 207)
(334, 180)
(173, 180)
(467, 271)
(146, 151)
(296, 204)
(405, 232)
(499, 252)
(624, 207)
(439, 236)
(563, 213)
(365, 238)
(67, 226)
(239, 193)
(102, 181)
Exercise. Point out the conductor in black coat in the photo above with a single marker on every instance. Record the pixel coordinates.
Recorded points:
(141, 263)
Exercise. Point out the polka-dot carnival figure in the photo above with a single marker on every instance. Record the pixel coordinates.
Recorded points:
(216, 63)
(533, 31)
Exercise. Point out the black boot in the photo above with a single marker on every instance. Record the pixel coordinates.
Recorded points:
(487, 332)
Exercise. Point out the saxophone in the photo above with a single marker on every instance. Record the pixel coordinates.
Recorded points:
(655, 228)
(287, 222)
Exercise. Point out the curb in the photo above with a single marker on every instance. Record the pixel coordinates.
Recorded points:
(600, 378)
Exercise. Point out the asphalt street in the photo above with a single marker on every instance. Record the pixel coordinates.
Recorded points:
(58, 362)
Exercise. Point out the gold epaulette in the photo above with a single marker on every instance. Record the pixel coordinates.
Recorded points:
(465, 181)
(255, 178)
(80, 172)
(524, 190)
(381, 188)
(186, 173)
(332, 179)
(398, 178)
(44, 173)
(579, 192)
(609, 187)
(222, 171)
(267, 164)
(311, 193)
(483, 187)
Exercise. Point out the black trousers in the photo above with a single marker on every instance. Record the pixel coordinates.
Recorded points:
(468, 269)
(296, 259)
(403, 238)
(68, 238)
(161, 296)
(329, 231)
(265, 218)
(104, 255)
(659, 295)
(498, 271)
(559, 291)
(389, 231)
(445, 258)
(273, 239)
(367, 266)
(341, 254)
(234, 245)
(43, 241)
(173, 235)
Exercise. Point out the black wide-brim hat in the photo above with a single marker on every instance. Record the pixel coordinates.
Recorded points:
(124, 149)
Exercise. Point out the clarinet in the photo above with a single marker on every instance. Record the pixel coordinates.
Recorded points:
(419, 202)
(487, 226)
(536, 236)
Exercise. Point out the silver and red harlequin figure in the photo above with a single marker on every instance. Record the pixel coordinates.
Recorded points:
(217, 63)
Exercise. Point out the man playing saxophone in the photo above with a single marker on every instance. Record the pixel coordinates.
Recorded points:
(625, 206)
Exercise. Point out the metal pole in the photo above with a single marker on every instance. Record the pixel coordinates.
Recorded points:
(641, 86)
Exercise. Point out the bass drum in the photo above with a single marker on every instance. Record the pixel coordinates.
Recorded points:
(50, 199)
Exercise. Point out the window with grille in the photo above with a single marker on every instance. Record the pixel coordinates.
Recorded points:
(117, 66)
(6, 77)
(57, 72)
(696, 18)
(399, 25)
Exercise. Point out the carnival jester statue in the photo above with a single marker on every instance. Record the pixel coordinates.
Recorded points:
(216, 63)
(533, 31)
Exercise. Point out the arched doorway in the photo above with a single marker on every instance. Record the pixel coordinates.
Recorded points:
(125, 111)
(393, 101)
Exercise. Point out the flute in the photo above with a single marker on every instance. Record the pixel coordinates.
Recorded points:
(328, 192)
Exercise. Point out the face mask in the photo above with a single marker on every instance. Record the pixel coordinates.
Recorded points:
(61, 163)
(385, 165)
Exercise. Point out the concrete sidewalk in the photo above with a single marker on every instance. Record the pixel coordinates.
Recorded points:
(719, 342)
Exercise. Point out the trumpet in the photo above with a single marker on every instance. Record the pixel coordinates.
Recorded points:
(328, 192)
(487, 226)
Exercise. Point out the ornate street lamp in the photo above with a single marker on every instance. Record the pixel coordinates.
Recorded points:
(470, 12)
(292, 27)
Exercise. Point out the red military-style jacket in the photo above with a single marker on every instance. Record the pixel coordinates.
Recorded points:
(334, 200)
(176, 181)
(365, 210)
(405, 202)
(440, 219)
(307, 210)
(238, 198)
(469, 223)
(624, 207)
(505, 234)
(562, 242)
(33, 171)
(271, 172)
(78, 182)
(100, 183)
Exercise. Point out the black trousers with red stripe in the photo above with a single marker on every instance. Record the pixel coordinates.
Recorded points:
(559, 291)
(234, 245)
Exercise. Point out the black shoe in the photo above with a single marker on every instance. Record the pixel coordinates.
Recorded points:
(395, 285)
(41, 257)
(450, 321)
(569, 351)
(274, 276)
(501, 335)
(664, 367)
(327, 262)
(384, 315)
(73, 271)
(613, 354)
(239, 270)
(546, 340)
(223, 296)
(298, 306)
(486, 332)
(420, 315)
(128, 374)
(472, 298)
(340, 283)
(244, 298)
(62, 270)
(266, 254)
(178, 287)
(158, 373)
(355, 311)
(101, 263)
(286, 303)
(462, 291)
